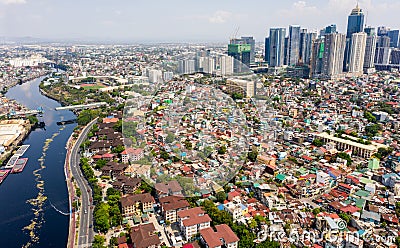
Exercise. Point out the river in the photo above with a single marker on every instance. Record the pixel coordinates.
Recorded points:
(25, 220)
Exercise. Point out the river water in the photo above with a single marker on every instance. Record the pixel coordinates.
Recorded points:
(28, 217)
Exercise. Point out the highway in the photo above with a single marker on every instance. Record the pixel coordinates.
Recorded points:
(86, 233)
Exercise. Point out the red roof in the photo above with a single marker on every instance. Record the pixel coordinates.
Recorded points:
(350, 209)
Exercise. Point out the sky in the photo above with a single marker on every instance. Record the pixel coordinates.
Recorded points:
(180, 20)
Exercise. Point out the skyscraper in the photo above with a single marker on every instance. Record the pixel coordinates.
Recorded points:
(355, 24)
(382, 54)
(294, 45)
(357, 53)
(317, 54)
(332, 62)
(276, 46)
(370, 47)
(266, 50)
(394, 38)
(331, 29)
(226, 65)
(306, 41)
(247, 40)
(241, 54)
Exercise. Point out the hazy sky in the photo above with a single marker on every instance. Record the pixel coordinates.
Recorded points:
(180, 20)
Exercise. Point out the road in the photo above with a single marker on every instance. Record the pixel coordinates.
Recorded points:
(86, 233)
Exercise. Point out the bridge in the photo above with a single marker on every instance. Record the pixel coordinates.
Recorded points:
(37, 111)
(83, 106)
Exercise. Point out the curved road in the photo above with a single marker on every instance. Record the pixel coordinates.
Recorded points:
(85, 234)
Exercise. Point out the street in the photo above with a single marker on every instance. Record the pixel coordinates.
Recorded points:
(85, 234)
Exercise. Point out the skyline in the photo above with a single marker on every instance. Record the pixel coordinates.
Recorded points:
(179, 21)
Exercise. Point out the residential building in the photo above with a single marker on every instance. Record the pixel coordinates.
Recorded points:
(145, 236)
(222, 237)
(332, 61)
(171, 205)
(357, 53)
(294, 45)
(131, 154)
(135, 204)
(370, 49)
(244, 87)
(192, 221)
(276, 47)
(168, 188)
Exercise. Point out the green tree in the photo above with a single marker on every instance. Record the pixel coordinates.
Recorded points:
(118, 126)
(100, 163)
(345, 217)
(318, 142)
(252, 156)
(221, 196)
(118, 149)
(102, 217)
(170, 138)
(222, 150)
(98, 241)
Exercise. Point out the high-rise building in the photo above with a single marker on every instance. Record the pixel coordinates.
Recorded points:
(209, 65)
(355, 24)
(286, 51)
(306, 41)
(394, 38)
(317, 54)
(395, 57)
(266, 50)
(383, 31)
(370, 47)
(294, 45)
(357, 53)
(276, 46)
(186, 66)
(249, 40)
(382, 53)
(332, 62)
(331, 29)
(226, 65)
(241, 54)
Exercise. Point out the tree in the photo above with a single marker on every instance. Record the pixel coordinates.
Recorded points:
(318, 142)
(252, 156)
(98, 241)
(222, 150)
(345, 217)
(372, 130)
(101, 217)
(369, 116)
(221, 196)
(118, 149)
(252, 224)
(164, 155)
(316, 211)
(100, 163)
(118, 126)
(188, 145)
(170, 138)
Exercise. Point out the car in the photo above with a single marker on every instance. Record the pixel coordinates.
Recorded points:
(85, 211)
(90, 226)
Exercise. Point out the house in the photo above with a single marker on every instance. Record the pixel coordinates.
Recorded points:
(192, 221)
(166, 189)
(135, 204)
(131, 154)
(371, 217)
(170, 205)
(222, 237)
(145, 236)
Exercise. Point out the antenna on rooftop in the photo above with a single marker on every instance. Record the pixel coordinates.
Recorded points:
(235, 32)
